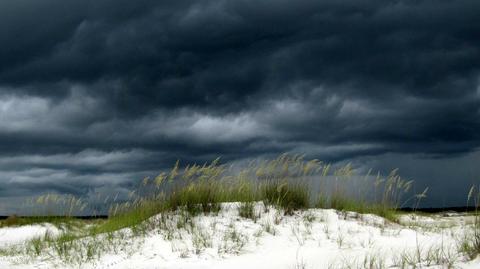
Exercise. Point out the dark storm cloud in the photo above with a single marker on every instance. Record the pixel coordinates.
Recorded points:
(153, 81)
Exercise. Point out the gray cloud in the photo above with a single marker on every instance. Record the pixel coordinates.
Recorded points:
(101, 93)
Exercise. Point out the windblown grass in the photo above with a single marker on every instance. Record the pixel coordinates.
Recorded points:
(49, 208)
(388, 194)
(288, 196)
(470, 243)
(195, 189)
(281, 182)
(476, 225)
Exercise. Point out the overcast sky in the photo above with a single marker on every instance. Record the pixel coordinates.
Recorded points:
(97, 94)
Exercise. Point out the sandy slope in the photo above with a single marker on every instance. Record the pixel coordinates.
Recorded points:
(309, 239)
(16, 235)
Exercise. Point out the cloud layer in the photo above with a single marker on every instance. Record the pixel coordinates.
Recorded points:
(104, 92)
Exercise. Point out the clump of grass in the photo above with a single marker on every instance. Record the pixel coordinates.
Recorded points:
(388, 194)
(247, 210)
(38, 244)
(282, 181)
(200, 193)
(201, 189)
(201, 239)
(288, 196)
(52, 204)
(419, 257)
(129, 215)
(233, 241)
(74, 249)
(344, 203)
(470, 243)
(476, 225)
(203, 196)
(268, 227)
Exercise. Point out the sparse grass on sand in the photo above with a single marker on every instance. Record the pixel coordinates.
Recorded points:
(470, 242)
(183, 193)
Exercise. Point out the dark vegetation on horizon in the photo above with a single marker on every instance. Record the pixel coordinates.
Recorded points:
(39, 219)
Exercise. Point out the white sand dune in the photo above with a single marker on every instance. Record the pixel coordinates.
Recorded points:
(309, 239)
(16, 235)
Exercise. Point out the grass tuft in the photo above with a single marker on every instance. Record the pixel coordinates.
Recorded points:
(470, 244)
(288, 196)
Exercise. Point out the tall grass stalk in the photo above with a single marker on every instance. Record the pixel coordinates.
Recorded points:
(471, 243)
